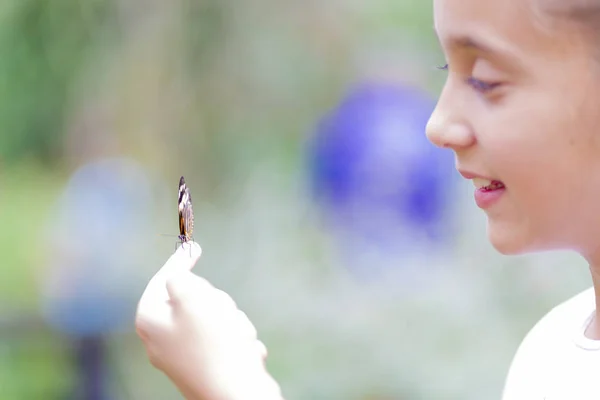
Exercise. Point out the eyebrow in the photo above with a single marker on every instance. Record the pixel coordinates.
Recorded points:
(467, 42)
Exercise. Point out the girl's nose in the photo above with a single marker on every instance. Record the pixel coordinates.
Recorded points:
(446, 126)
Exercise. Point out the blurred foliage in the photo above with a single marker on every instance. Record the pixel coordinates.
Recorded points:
(32, 196)
(35, 366)
(43, 46)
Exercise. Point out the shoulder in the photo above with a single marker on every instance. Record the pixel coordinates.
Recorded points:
(559, 322)
(564, 317)
(549, 335)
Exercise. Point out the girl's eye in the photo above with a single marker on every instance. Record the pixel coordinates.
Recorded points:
(480, 86)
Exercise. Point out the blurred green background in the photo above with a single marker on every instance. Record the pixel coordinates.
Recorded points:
(227, 93)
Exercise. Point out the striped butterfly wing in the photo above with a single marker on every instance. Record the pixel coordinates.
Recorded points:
(186, 213)
(189, 218)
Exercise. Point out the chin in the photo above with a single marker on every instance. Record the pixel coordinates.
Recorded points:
(509, 248)
(511, 241)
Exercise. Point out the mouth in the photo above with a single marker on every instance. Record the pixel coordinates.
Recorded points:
(486, 185)
(487, 191)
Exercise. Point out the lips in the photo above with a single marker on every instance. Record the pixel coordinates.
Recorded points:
(487, 184)
(487, 191)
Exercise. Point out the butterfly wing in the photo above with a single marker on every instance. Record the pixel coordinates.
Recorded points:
(189, 218)
(186, 213)
(181, 224)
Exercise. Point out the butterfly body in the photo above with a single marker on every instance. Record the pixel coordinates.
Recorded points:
(186, 213)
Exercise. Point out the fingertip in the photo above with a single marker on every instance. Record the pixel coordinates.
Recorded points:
(189, 250)
(183, 259)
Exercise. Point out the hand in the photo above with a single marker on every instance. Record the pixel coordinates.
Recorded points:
(196, 335)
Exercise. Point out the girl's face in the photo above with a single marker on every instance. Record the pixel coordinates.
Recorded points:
(521, 108)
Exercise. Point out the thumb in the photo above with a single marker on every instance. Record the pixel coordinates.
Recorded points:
(184, 259)
(185, 285)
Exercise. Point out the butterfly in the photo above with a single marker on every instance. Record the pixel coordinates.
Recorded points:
(186, 213)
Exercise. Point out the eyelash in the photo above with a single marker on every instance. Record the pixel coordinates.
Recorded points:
(478, 85)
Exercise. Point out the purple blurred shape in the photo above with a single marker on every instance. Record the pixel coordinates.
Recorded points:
(375, 172)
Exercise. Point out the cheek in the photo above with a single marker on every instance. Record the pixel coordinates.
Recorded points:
(530, 219)
(545, 203)
(541, 179)
(549, 160)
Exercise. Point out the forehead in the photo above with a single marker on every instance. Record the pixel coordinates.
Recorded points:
(516, 27)
(581, 15)
(570, 8)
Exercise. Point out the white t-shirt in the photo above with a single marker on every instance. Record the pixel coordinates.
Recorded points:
(556, 361)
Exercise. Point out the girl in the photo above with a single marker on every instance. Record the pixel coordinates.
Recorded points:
(520, 111)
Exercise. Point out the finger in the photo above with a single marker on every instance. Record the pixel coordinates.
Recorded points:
(180, 261)
(186, 285)
(151, 319)
(183, 259)
(262, 349)
(224, 300)
(247, 328)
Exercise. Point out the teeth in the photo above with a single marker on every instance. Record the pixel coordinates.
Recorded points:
(479, 182)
